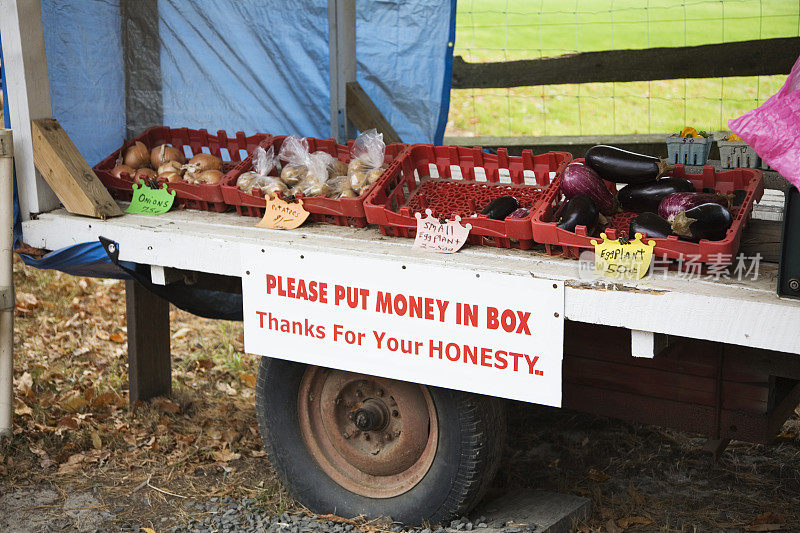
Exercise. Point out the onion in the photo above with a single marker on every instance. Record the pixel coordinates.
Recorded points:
(137, 156)
(191, 172)
(171, 177)
(169, 166)
(682, 201)
(578, 178)
(170, 171)
(144, 173)
(164, 153)
(209, 177)
(206, 162)
(119, 170)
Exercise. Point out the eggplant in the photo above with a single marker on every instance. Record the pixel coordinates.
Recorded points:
(650, 224)
(644, 197)
(738, 197)
(579, 211)
(578, 178)
(621, 166)
(501, 207)
(681, 201)
(706, 221)
(522, 212)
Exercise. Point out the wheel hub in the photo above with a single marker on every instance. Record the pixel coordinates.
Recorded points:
(375, 437)
(373, 416)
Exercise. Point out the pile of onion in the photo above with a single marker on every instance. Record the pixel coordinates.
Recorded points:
(167, 162)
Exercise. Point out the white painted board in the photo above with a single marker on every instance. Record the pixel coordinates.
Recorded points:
(747, 312)
(407, 321)
(29, 96)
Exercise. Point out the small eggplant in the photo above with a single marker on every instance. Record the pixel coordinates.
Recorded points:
(500, 208)
(681, 201)
(650, 224)
(579, 211)
(578, 178)
(706, 221)
(644, 197)
(522, 212)
(621, 166)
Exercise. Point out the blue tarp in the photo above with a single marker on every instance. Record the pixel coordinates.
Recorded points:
(263, 66)
(246, 65)
(82, 40)
(86, 259)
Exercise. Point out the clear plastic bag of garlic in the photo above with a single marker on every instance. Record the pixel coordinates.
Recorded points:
(259, 179)
(340, 187)
(294, 151)
(315, 179)
(335, 167)
(366, 165)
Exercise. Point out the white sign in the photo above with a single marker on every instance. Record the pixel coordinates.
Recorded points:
(483, 332)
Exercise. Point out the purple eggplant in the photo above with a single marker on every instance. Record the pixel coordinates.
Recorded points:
(651, 224)
(644, 197)
(579, 211)
(501, 207)
(621, 166)
(578, 178)
(681, 201)
(522, 212)
(706, 221)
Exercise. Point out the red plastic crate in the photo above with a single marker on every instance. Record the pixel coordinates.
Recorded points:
(193, 196)
(339, 211)
(406, 188)
(562, 242)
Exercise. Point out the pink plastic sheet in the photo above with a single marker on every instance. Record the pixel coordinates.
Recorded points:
(773, 130)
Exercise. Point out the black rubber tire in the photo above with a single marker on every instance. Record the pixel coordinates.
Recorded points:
(472, 432)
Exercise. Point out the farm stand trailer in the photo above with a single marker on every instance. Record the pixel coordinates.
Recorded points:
(386, 432)
(717, 357)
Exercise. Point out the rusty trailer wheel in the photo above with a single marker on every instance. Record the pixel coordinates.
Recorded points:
(373, 436)
(353, 444)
